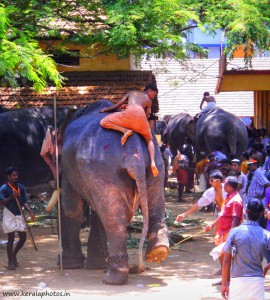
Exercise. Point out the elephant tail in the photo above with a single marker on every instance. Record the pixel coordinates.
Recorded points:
(142, 196)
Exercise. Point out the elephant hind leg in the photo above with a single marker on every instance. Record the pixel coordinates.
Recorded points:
(117, 273)
(97, 250)
(115, 226)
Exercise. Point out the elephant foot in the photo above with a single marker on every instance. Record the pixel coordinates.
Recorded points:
(158, 244)
(72, 263)
(135, 269)
(96, 264)
(158, 254)
(117, 272)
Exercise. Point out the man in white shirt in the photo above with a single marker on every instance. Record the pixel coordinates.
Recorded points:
(215, 193)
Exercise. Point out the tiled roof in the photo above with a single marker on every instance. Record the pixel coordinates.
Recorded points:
(181, 86)
(258, 64)
(81, 89)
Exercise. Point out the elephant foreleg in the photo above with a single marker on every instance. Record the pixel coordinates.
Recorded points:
(158, 244)
(72, 256)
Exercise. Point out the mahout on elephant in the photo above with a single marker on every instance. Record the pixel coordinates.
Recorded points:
(221, 129)
(180, 128)
(21, 135)
(115, 180)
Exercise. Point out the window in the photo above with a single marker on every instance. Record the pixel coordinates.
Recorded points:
(69, 59)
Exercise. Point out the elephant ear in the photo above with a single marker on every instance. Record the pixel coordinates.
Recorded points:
(185, 120)
(181, 120)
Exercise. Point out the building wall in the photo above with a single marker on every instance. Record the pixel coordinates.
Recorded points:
(90, 62)
(182, 84)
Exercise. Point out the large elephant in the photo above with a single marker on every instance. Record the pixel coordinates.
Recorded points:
(180, 127)
(221, 129)
(115, 180)
(21, 135)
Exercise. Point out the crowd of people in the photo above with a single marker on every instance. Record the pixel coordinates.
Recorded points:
(236, 188)
(238, 191)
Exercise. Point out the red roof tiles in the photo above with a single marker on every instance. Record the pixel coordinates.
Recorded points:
(81, 88)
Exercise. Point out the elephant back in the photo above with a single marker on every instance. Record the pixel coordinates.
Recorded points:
(221, 129)
(21, 136)
(92, 108)
(180, 126)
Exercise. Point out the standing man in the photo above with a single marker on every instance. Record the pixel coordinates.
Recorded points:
(241, 177)
(257, 184)
(134, 118)
(230, 215)
(180, 166)
(12, 219)
(199, 170)
(242, 273)
(209, 167)
(226, 167)
(215, 193)
(189, 152)
(48, 150)
(219, 155)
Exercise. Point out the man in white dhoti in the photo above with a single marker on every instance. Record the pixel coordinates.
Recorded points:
(242, 273)
(12, 219)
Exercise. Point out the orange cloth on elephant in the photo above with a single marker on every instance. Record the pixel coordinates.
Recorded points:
(133, 117)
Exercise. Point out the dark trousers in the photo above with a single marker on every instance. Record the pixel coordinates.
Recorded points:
(180, 191)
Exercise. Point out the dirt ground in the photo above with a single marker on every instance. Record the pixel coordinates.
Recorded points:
(186, 274)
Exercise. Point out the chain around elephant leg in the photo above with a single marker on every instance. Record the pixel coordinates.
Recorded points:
(117, 271)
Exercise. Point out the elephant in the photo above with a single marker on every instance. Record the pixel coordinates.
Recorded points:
(180, 127)
(115, 180)
(223, 130)
(21, 135)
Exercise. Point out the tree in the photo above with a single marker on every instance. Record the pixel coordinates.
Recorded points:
(138, 27)
(21, 59)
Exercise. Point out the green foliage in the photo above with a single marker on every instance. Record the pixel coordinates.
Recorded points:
(21, 58)
(244, 22)
(122, 27)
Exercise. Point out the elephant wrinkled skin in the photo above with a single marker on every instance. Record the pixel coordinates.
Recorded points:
(221, 129)
(115, 180)
(179, 127)
(21, 136)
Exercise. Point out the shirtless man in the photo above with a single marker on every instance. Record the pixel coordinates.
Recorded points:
(210, 100)
(48, 150)
(134, 118)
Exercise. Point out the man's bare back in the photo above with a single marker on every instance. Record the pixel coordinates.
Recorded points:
(134, 98)
(139, 109)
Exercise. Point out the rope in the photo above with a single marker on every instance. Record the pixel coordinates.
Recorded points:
(189, 237)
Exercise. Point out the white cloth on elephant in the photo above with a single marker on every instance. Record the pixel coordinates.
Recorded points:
(11, 222)
(246, 288)
(209, 106)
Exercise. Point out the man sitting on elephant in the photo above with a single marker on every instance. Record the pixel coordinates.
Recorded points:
(211, 104)
(134, 118)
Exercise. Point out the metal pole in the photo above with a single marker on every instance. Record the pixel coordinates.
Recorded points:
(58, 186)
